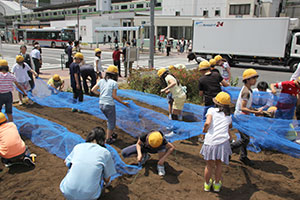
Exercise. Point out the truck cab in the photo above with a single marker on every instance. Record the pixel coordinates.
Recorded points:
(295, 51)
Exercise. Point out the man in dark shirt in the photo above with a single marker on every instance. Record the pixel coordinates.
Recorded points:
(68, 51)
(75, 79)
(88, 73)
(209, 85)
(153, 142)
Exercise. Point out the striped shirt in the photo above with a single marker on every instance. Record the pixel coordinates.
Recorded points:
(6, 82)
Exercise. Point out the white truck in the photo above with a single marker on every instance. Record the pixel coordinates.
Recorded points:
(264, 41)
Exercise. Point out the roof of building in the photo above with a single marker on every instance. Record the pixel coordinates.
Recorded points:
(12, 7)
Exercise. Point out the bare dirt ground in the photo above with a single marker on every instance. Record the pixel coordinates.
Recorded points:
(274, 176)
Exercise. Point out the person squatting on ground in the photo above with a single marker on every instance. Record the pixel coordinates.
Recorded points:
(288, 99)
(36, 57)
(209, 85)
(116, 59)
(75, 79)
(88, 74)
(174, 87)
(6, 87)
(56, 82)
(89, 163)
(226, 73)
(244, 106)
(12, 148)
(263, 96)
(20, 70)
(97, 63)
(216, 148)
(108, 93)
(153, 142)
(27, 60)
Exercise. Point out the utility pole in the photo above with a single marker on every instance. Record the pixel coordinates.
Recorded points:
(78, 36)
(151, 58)
(21, 12)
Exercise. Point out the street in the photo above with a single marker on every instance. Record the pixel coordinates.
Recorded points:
(52, 60)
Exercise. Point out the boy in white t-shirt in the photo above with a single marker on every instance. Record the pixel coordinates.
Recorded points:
(20, 70)
(244, 106)
(97, 63)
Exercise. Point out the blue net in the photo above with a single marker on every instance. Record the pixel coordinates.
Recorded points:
(57, 140)
(266, 133)
(134, 120)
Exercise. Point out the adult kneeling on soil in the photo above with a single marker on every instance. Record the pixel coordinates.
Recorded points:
(88, 163)
(174, 87)
(108, 93)
(153, 142)
(12, 148)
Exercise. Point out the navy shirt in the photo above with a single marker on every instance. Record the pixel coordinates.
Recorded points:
(147, 147)
(74, 69)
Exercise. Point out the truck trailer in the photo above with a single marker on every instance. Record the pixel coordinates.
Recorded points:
(263, 41)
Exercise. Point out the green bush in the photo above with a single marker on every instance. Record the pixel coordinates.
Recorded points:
(146, 80)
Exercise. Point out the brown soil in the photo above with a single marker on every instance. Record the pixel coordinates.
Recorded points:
(275, 175)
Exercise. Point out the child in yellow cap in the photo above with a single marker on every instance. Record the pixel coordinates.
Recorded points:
(153, 142)
(216, 148)
(108, 93)
(20, 70)
(56, 82)
(97, 63)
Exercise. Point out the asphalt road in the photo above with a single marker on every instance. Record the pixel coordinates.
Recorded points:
(52, 60)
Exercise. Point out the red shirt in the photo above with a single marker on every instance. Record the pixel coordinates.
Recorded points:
(288, 87)
(6, 82)
(116, 55)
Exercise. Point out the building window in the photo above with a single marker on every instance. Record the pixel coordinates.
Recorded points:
(205, 13)
(124, 7)
(217, 13)
(140, 6)
(177, 13)
(188, 34)
(162, 30)
(146, 31)
(240, 9)
(176, 32)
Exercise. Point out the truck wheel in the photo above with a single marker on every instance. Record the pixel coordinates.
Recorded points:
(293, 65)
(53, 45)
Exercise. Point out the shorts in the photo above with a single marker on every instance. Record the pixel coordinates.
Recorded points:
(179, 102)
(110, 113)
(131, 150)
(7, 100)
(25, 85)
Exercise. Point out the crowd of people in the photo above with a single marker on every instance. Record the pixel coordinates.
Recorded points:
(91, 162)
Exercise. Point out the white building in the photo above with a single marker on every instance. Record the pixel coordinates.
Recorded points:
(12, 8)
(203, 8)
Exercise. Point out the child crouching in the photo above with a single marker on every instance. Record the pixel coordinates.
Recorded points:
(216, 148)
(153, 142)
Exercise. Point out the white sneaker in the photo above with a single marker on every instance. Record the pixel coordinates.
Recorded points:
(168, 135)
(161, 170)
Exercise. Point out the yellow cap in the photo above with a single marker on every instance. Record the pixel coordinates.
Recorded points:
(161, 72)
(112, 69)
(19, 58)
(204, 65)
(3, 63)
(2, 117)
(222, 98)
(78, 55)
(212, 62)
(155, 139)
(298, 79)
(272, 109)
(171, 67)
(249, 73)
(218, 57)
(56, 77)
(97, 50)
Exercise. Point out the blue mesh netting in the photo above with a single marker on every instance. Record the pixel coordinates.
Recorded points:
(266, 133)
(57, 140)
(134, 120)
